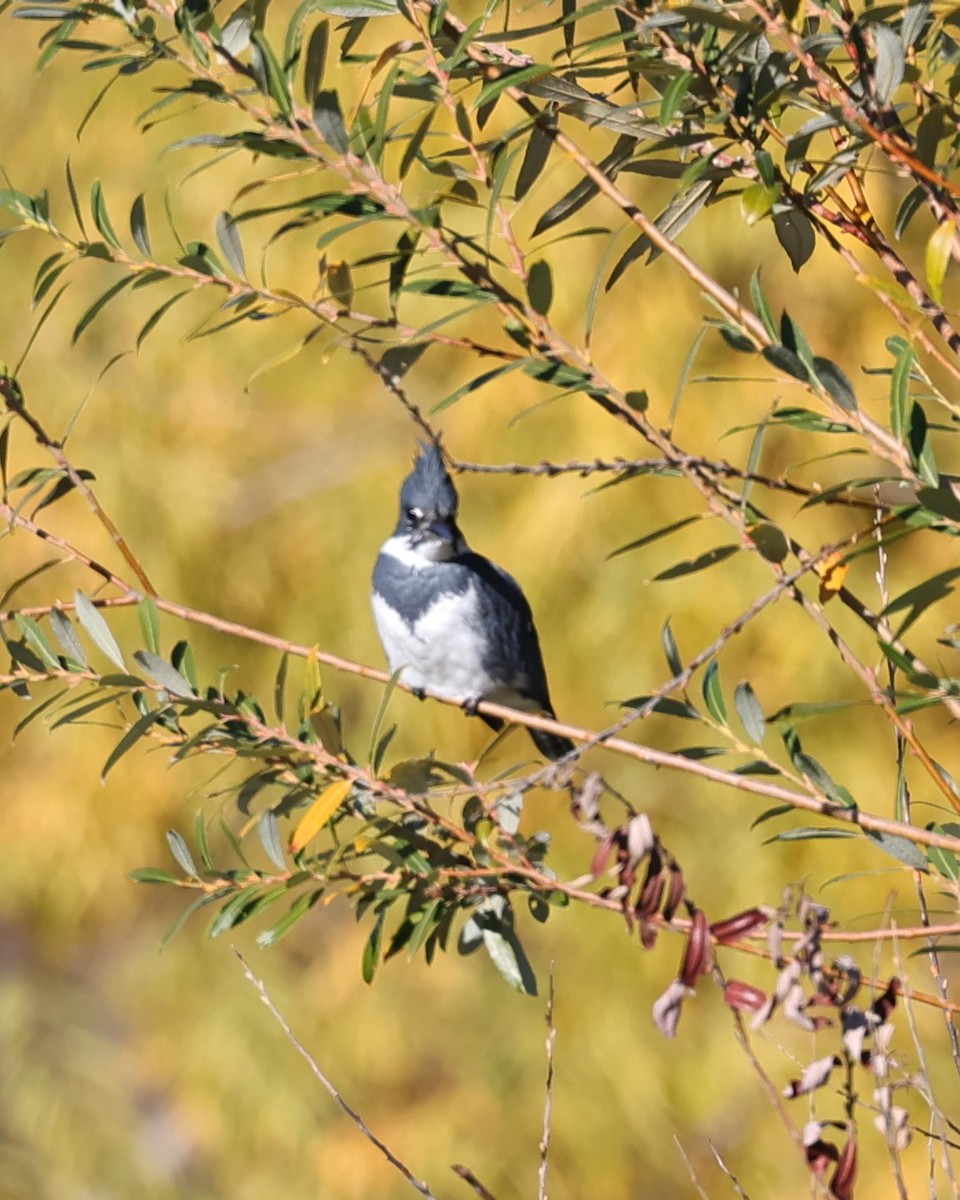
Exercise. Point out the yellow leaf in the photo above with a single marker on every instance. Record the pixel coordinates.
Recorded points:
(833, 572)
(312, 681)
(319, 813)
(937, 258)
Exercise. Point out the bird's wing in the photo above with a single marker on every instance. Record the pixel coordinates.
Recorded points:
(514, 654)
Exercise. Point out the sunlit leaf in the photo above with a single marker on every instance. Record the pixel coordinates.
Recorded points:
(319, 813)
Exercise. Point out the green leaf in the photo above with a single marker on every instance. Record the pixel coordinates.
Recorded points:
(690, 566)
(539, 145)
(101, 218)
(268, 827)
(750, 711)
(149, 623)
(495, 918)
(99, 305)
(671, 650)
(163, 673)
(36, 638)
(673, 96)
(770, 541)
(270, 77)
(131, 737)
(889, 65)
(316, 61)
(372, 948)
(156, 316)
(181, 852)
(66, 635)
(153, 875)
(300, 907)
(230, 243)
(511, 78)
(540, 287)
(921, 448)
(89, 617)
(138, 226)
(900, 391)
(937, 257)
(833, 381)
(757, 201)
(761, 307)
(796, 235)
(647, 538)
(328, 118)
(901, 849)
(713, 694)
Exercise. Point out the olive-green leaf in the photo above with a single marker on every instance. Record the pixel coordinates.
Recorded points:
(540, 287)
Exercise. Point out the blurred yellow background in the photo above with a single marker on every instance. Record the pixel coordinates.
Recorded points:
(130, 1071)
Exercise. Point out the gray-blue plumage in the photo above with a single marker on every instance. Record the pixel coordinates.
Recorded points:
(455, 622)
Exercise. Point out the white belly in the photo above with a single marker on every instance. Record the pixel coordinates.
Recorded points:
(442, 652)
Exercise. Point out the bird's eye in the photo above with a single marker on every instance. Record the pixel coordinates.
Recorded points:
(415, 514)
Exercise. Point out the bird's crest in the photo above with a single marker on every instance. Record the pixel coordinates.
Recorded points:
(429, 486)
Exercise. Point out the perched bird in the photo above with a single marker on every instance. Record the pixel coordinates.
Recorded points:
(455, 622)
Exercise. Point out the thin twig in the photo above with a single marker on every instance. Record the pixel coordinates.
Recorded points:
(548, 1098)
(354, 1116)
(468, 1176)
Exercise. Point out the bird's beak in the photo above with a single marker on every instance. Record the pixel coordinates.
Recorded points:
(446, 531)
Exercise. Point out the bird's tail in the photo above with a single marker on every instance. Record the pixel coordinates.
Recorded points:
(551, 745)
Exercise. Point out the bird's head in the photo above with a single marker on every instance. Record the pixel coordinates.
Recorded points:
(428, 508)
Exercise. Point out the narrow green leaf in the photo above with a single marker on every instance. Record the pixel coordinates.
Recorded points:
(673, 96)
(149, 623)
(901, 849)
(101, 218)
(75, 200)
(316, 61)
(689, 566)
(835, 382)
(268, 827)
(131, 737)
(99, 305)
(890, 62)
(647, 538)
(300, 907)
(230, 244)
(372, 948)
(138, 226)
(153, 875)
(328, 118)
(66, 635)
(761, 307)
(37, 639)
(163, 673)
(750, 711)
(156, 316)
(900, 391)
(671, 650)
(713, 693)
(89, 617)
(270, 76)
(535, 155)
(181, 852)
(921, 448)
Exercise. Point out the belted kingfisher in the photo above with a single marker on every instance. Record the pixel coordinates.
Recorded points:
(455, 622)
